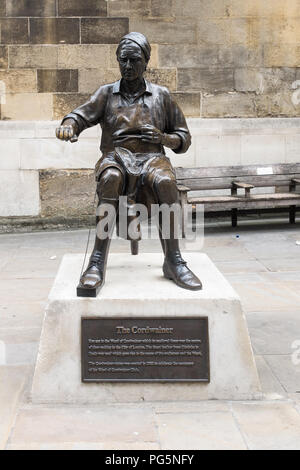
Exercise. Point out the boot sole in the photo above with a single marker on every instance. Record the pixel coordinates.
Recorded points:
(83, 291)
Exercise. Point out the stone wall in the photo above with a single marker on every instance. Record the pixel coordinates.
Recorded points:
(221, 58)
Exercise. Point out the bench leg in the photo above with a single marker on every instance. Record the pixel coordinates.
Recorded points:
(234, 217)
(292, 214)
(134, 244)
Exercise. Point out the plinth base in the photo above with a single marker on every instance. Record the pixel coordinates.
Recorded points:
(135, 288)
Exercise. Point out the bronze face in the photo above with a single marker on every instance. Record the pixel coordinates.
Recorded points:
(132, 61)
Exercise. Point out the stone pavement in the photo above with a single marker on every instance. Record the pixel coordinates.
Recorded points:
(262, 262)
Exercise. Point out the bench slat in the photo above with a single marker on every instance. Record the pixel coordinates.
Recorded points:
(237, 171)
(226, 183)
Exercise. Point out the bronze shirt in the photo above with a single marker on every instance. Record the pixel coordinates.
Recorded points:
(118, 116)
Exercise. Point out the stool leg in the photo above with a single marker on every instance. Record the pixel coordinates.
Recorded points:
(234, 217)
(292, 214)
(134, 247)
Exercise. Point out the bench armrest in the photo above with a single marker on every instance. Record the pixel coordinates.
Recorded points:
(295, 181)
(238, 185)
(182, 188)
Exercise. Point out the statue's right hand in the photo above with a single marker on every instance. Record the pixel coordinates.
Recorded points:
(66, 132)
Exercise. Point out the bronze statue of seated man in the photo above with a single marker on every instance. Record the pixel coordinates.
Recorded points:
(138, 119)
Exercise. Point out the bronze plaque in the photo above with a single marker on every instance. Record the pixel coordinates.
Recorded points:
(145, 349)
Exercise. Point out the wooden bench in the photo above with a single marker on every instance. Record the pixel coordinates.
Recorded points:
(285, 178)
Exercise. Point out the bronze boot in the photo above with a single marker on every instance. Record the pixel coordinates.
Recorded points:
(93, 278)
(175, 269)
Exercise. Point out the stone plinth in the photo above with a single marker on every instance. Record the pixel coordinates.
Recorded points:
(135, 287)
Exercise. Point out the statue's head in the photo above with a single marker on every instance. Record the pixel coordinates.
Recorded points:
(133, 54)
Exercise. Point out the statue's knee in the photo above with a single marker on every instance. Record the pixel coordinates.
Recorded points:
(166, 189)
(110, 184)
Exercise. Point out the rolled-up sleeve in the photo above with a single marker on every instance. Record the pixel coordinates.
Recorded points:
(90, 113)
(176, 124)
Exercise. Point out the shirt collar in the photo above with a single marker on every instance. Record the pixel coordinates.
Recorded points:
(117, 86)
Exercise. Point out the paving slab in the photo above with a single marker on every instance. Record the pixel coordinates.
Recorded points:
(274, 332)
(53, 425)
(207, 430)
(21, 315)
(33, 267)
(286, 371)
(268, 426)
(269, 383)
(12, 381)
(280, 263)
(260, 296)
(20, 345)
(25, 290)
(240, 266)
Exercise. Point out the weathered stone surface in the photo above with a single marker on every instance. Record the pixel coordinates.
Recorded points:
(241, 31)
(264, 80)
(3, 57)
(27, 106)
(248, 80)
(220, 434)
(276, 104)
(51, 427)
(57, 81)
(19, 193)
(163, 77)
(64, 103)
(200, 8)
(30, 8)
(19, 81)
(264, 148)
(103, 30)
(14, 30)
(167, 30)
(83, 56)
(2, 7)
(274, 8)
(12, 382)
(159, 8)
(66, 192)
(280, 418)
(91, 79)
(211, 79)
(282, 55)
(129, 8)
(188, 102)
(10, 154)
(188, 56)
(86, 8)
(239, 55)
(33, 57)
(213, 31)
(228, 105)
(54, 30)
(275, 30)
(53, 153)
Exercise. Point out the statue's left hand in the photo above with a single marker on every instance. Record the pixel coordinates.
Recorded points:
(151, 134)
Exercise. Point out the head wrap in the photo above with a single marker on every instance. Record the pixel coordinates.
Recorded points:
(140, 40)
